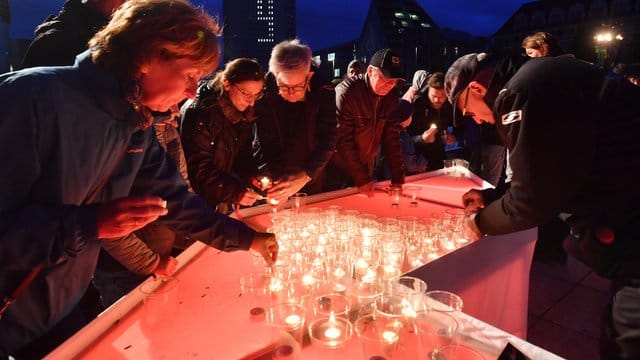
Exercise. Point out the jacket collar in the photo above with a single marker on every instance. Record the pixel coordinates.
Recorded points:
(109, 95)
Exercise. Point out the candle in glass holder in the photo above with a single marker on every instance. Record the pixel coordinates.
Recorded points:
(433, 126)
(308, 279)
(265, 182)
(276, 285)
(292, 320)
(330, 332)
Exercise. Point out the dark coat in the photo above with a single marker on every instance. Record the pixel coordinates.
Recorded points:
(60, 38)
(572, 131)
(367, 121)
(320, 124)
(217, 141)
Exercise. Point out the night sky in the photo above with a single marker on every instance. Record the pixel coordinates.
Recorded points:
(320, 23)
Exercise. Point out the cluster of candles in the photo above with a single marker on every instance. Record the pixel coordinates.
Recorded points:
(335, 262)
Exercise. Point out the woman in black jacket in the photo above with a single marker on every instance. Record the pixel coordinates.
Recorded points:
(218, 134)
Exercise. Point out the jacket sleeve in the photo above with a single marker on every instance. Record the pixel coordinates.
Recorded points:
(548, 167)
(347, 147)
(268, 133)
(132, 253)
(326, 137)
(393, 151)
(188, 213)
(248, 162)
(33, 234)
(199, 140)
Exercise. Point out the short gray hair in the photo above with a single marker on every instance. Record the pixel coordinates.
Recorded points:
(290, 55)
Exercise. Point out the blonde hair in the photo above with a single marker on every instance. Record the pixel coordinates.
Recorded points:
(290, 55)
(145, 31)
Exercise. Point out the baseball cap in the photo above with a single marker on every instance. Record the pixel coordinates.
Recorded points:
(461, 73)
(388, 62)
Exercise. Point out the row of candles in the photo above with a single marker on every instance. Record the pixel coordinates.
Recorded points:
(342, 265)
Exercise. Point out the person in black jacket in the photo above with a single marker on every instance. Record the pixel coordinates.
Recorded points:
(217, 135)
(296, 122)
(370, 115)
(60, 38)
(572, 131)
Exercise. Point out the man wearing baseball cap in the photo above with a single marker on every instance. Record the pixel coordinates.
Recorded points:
(572, 131)
(369, 115)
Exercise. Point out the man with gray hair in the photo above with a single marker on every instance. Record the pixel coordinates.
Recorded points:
(296, 121)
(570, 128)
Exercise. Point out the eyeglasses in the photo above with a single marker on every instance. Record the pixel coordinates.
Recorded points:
(247, 96)
(293, 89)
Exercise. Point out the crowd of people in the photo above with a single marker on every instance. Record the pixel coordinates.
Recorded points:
(109, 178)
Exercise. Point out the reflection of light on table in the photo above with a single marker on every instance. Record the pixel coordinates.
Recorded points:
(390, 336)
(308, 279)
(292, 320)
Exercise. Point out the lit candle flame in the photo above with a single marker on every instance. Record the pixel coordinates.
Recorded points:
(292, 320)
(433, 126)
(390, 336)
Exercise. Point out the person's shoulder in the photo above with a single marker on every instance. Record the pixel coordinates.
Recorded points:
(34, 79)
(350, 84)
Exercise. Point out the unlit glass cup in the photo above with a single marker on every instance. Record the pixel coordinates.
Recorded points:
(456, 352)
(436, 330)
(395, 192)
(160, 299)
(448, 167)
(412, 192)
(298, 201)
(444, 301)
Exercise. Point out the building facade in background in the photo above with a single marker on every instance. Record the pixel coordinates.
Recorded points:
(252, 28)
(407, 28)
(577, 24)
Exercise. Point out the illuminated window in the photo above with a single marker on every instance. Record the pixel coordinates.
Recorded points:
(404, 23)
(414, 17)
(425, 25)
(399, 15)
(317, 59)
(331, 56)
(336, 72)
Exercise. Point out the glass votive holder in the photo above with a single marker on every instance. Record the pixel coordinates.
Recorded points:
(254, 291)
(456, 352)
(387, 338)
(436, 330)
(443, 301)
(331, 303)
(363, 293)
(287, 325)
(448, 167)
(395, 192)
(298, 201)
(330, 332)
(412, 192)
(160, 300)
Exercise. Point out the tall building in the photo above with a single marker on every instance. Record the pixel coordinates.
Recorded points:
(253, 27)
(407, 28)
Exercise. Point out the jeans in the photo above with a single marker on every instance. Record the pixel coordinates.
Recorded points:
(620, 338)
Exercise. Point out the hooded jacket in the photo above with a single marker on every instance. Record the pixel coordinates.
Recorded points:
(66, 128)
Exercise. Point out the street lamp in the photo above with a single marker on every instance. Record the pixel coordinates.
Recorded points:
(605, 44)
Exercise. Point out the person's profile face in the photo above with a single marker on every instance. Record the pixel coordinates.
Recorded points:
(534, 53)
(245, 93)
(380, 84)
(437, 97)
(354, 70)
(165, 84)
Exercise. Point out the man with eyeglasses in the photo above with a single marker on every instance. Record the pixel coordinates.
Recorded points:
(572, 131)
(296, 122)
(370, 116)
